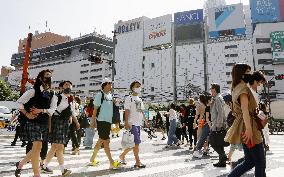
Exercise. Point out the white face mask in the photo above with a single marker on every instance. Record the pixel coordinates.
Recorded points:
(137, 90)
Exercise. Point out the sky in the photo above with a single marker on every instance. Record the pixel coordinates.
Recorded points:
(72, 17)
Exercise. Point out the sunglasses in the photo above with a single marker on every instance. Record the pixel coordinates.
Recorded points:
(108, 82)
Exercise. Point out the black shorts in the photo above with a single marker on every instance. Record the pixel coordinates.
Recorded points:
(59, 130)
(35, 132)
(103, 129)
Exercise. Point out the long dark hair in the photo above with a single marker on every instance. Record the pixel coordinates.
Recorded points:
(238, 71)
(203, 99)
(39, 79)
(91, 104)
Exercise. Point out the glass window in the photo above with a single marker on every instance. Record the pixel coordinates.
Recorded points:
(262, 40)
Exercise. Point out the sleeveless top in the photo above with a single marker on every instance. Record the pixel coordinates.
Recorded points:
(233, 135)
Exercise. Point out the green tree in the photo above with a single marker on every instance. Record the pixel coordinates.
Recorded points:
(6, 93)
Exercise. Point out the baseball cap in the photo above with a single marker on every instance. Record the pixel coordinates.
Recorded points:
(106, 80)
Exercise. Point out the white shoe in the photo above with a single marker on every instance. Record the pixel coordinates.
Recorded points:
(197, 154)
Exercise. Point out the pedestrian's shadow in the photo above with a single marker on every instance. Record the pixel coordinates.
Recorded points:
(174, 148)
(105, 172)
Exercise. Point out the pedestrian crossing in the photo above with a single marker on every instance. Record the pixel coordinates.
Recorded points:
(159, 161)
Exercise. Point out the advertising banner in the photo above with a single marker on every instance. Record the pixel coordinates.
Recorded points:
(189, 17)
(226, 21)
(157, 31)
(266, 10)
(277, 44)
(128, 26)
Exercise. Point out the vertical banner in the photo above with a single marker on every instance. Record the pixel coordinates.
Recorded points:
(277, 44)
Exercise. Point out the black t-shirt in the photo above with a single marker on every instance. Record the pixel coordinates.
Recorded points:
(191, 112)
(207, 109)
(159, 120)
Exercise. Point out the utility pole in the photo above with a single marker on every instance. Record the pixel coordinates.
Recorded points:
(113, 59)
(205, 60)
(174, 63)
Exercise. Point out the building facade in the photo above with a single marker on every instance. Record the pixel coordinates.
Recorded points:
(70, 61)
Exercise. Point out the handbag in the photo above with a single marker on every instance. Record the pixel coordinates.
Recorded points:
(216, 138)
(260, 119)
(127, 140)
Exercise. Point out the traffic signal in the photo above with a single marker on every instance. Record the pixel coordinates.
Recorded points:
(96, 59)
(279, 77)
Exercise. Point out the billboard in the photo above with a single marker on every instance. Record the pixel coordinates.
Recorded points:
(189, 26)
(157, 31)
(128, 26)
(277, 45)
(266, 10)
(226, 21)
(189, 17)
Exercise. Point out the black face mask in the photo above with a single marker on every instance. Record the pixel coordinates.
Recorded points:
(247, 77)
(67, 91)
(47, 80)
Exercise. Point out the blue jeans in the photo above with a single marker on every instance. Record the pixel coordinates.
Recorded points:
(89, 136)
(172, 136)
(204, 134)
(254, 157)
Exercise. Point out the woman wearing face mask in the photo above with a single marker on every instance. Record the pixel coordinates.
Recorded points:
(244, 129)
(134, 115)
(36, 106)
(59, 128)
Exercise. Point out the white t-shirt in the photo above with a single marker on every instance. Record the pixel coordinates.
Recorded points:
(255, 95)
(173, 114)
(136, 110)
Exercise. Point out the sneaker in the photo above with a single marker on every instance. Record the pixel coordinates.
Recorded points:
(190, 147)
(13, 143)
(46, 170)
(87, 148)
(114, 165)
(168, 146)
(18, 171)
(197, 154)
(23, 144)
(94, 163)
(163, 138)
(140, 166)
(66, 172)
(220, 164)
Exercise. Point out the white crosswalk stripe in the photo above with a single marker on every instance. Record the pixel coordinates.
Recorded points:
(158, 164)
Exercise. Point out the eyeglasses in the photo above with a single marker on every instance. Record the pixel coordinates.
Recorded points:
(108, 82)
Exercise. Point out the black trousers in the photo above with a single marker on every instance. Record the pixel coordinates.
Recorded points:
(17, 135)
(43, 151)
(73, 134)
(184, 134)
(178, 133)
(221, 152)
(192, 132)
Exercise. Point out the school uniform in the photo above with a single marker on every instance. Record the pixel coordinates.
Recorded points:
(60, 120)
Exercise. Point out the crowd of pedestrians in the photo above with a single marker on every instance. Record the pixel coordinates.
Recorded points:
(213, 121)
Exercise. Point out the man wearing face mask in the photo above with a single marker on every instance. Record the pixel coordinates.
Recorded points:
(59, 128)
(218, 120)
(134, 115)
(256, 80)
(102, 119)
(36, 106)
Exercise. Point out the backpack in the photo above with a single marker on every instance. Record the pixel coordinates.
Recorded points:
(66, 113)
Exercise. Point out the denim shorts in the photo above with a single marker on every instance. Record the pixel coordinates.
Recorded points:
(135, 130)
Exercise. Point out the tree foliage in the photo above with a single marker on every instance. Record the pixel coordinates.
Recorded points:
(6, 93)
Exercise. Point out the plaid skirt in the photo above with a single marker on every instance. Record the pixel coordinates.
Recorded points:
(59, 130)
(33, 131)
